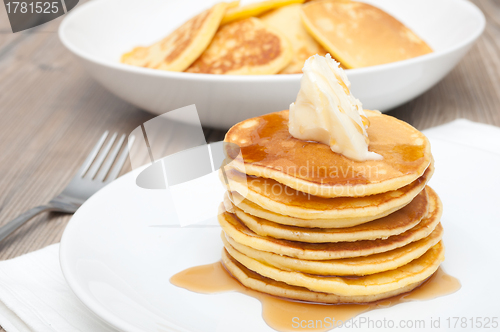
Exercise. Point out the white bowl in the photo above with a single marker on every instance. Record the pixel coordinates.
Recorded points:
(98, 32)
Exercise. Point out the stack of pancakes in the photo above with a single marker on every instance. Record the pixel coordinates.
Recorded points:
(302, 222)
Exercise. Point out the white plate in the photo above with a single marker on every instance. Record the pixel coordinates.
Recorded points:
(119, 266)
(98, 32)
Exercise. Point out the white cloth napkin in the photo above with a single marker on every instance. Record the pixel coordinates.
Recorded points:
(35, 297)
(475, 135)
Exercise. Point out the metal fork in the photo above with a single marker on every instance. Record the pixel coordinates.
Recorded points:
(92, 176)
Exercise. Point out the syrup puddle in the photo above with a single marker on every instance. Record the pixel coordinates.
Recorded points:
(279, 313)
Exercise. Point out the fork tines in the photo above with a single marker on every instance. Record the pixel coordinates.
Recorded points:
(102, 157)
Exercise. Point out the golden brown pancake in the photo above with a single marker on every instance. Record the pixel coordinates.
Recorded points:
(269, 151)
(416, 271)
(262, 284)
(234, 228)
(179, 49)
(357, 266)
(393, 224)
(359, 34)
(246, 47)
(254, 9)
(273, 201)
(287, 20)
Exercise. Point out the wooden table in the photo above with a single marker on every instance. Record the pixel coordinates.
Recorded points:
(52, 113)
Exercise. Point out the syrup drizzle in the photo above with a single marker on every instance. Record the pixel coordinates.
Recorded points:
(280, 313)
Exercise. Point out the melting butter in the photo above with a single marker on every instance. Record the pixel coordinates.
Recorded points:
(325, 111)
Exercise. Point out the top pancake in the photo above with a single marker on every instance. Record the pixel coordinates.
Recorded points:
(287, 21)
(179, 49)
(360, 35)
(268, 150)
(245, 47)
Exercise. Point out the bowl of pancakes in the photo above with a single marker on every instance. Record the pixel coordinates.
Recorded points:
(236, 61)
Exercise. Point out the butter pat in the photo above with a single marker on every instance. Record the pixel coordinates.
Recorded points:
(325, 111)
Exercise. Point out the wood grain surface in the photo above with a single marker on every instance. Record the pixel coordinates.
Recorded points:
(52, 113)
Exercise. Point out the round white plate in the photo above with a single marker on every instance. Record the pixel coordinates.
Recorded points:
(118, 260)
(99, 32)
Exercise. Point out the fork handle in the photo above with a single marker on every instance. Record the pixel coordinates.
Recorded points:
(15, 223)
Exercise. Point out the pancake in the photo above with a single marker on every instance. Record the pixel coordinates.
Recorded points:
(234, 228)
(393, 224)
(269, 151)
(414, 272)
(262, 284)
(276, 202)
(360, 35)
(358, 266)
(181, 48)
(246, 47)
(287, 21)
(254, 9)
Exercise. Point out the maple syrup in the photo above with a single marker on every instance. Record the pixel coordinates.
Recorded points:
(286, 315)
